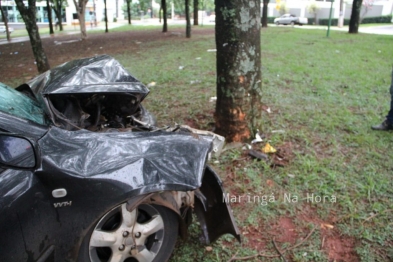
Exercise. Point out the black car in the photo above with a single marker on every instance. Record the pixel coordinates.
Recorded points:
(85, 175)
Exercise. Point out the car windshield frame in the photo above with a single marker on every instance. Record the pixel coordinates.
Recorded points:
(17, 104)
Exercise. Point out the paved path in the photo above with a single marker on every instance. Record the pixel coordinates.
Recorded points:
(380, 30)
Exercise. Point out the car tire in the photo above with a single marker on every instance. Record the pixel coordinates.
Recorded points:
(292, 23)
(147, 233)
(277, 23)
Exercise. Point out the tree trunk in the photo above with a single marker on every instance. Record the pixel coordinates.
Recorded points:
(58, 16)
(129, 11)
(5, 23)
(81, 8)
(355, 15)
(264, 13)
(188, 22)
(196, 9)
(58, 8)
(238, 106)
(49, 10)
(106, 17)
(29, 17)
(165, 16)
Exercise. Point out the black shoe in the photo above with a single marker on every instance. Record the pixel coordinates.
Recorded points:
(385, 126)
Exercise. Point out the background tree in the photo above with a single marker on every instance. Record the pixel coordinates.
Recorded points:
(49, 11)
(5, 20)
(80, 6)
(238, 43)
(313, 8)
(264, 12)
(58, 6)
(188, 21)
(106, 17)
(165, 16)
(129, 11)
(355, 17)
(28, 14)
(196, 9)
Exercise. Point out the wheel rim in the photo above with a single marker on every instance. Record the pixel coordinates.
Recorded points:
(127, 236)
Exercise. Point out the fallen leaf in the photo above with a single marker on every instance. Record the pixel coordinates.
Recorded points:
(268, 149)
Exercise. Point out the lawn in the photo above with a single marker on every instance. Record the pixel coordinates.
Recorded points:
(327, 193)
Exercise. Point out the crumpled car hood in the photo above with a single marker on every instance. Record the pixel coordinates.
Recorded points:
(151, 159)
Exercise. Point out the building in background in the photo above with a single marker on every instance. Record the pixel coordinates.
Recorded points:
(114, 10)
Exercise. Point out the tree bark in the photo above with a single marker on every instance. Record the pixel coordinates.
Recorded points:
(80, 9)
(5, 23)
(106, 17)
(264, 13)
(355, 16)
(165, 16)
(188, 22)
(29, 17)
(196, 9)
(49, 10)
(238, 106)
(129, 11)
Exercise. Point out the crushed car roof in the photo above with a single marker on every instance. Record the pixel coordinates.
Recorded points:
(88, 75)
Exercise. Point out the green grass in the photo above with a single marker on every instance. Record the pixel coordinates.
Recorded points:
(325, 93)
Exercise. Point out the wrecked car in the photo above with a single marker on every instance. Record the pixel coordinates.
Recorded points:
(85, 174)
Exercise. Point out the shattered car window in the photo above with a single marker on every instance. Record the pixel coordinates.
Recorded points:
(18, 104)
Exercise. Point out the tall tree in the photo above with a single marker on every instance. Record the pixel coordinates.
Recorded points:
(80, 6)
(355, 17)
(5, 19)
(129, 10)
(49, 10)
(188, 22)
(238, 43)
(196, 9)
(264, 13)
(165, 16)
(57, 8)
(106, 17)
(28, 14)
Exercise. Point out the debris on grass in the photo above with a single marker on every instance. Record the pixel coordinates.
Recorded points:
(212, 50)
(258, 155)
(181, 67)
(279, 131)
(258, 138)
(268, 149)
(213, 99)
(151, 84)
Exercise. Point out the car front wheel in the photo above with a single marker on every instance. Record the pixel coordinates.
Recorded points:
(147, 233)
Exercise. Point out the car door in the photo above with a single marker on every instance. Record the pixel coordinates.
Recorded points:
(27, 220)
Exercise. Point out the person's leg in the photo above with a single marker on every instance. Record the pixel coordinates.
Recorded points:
(389, 117)
(388, 123)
